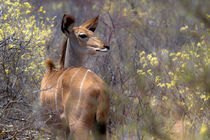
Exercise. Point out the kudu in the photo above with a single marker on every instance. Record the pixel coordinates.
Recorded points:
(74, 99)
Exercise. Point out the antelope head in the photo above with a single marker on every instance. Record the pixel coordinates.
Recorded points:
(82, 38)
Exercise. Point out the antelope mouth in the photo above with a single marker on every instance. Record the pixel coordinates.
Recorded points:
(100, 51)
(103, 50)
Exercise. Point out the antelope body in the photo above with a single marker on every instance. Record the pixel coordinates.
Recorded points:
(74, 99)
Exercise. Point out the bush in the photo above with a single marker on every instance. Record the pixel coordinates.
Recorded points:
(179, 83)
(23, 40)
(158, 66)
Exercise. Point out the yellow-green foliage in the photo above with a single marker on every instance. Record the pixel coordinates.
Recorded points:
(127, 9)
(24, 34)
(172, 84)
(33, 31)
(180, 79)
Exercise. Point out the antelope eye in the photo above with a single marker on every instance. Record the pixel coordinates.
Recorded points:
(82, 35)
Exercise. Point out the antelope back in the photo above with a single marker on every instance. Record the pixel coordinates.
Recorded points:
(78, 96)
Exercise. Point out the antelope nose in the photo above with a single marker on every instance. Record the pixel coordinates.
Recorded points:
(107, 47)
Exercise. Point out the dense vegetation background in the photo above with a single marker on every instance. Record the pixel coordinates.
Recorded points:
(158, 67)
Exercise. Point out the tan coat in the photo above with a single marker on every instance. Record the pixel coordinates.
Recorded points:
(75, 99)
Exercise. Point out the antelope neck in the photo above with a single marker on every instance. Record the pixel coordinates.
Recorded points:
(73, 58)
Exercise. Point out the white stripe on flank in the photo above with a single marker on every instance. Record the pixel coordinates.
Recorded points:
(56, 92)
(62, 92)
(56, 103)
(81, 88)
(74, 75)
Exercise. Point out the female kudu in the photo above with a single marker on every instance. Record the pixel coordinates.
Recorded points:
(75, 100)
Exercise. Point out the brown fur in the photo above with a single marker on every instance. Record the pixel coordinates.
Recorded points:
(92, 111)
(63, 52)
(76, 99)
(66, 22)
(50, 65)
(74, 53)
(92, 26)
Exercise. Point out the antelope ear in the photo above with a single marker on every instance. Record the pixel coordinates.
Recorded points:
(91, 24)
(67, 24)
